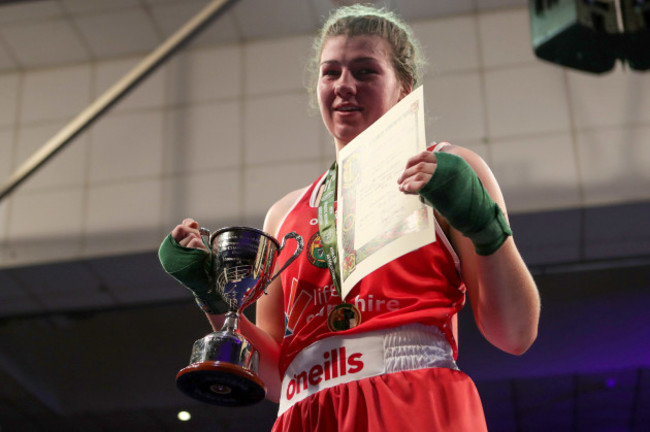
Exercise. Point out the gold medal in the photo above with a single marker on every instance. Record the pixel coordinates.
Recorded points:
(343, 317)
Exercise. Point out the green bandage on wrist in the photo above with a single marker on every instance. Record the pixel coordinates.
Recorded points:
(457, 193)
(191, 267)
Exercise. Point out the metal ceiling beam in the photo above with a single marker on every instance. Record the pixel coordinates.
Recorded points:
(114, 94)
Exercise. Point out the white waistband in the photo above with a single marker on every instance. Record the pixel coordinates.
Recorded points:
(341, 359)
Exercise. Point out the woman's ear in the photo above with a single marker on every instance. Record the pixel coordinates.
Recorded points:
(405, 90)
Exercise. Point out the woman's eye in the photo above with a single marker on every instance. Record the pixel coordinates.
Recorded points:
(365, 72)
(329, 72)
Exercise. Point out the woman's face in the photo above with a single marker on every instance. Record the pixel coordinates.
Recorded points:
(357, 84)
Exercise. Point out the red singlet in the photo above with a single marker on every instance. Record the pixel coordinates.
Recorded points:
(421, 287)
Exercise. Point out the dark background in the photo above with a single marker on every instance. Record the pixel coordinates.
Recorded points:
(113, 368)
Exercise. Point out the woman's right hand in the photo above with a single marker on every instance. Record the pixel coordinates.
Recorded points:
(187, 234)
(184, 256)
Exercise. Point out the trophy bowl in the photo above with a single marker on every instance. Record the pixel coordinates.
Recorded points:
(223, 365)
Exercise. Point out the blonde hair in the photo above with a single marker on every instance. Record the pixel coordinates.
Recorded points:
(361, 20)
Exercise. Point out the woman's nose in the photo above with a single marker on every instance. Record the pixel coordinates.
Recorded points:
(345, 85)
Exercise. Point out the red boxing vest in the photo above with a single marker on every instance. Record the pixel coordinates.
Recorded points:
(423, 286)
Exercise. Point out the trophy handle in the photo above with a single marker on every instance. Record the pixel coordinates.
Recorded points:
(205, 237)
(299, 247)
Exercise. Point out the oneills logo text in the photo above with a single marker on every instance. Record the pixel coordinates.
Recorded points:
(336, 363)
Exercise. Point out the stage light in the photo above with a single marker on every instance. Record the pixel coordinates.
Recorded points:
(591, 35)
(184, 416)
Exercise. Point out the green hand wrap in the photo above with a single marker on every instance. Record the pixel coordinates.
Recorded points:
(191, 267)
(457, 193)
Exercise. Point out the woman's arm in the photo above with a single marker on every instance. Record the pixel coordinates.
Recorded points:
(504, 297)
(267, 333)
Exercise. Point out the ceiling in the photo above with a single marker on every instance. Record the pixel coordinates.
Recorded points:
(94, 345)
(86, 30)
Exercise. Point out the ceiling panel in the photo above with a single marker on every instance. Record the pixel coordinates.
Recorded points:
(119, 33)
(40, 33)
(44, 43)
(279, 18)
(95, 6)
(31, 10)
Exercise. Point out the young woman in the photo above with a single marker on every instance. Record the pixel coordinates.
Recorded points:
(383, 358)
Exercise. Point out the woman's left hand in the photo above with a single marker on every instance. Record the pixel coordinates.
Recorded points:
(419, 170)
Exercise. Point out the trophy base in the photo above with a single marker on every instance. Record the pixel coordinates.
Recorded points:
(220, 383)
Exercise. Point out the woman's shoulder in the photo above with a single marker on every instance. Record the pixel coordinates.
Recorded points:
(280, 208)
(457, 150)
(471, 157)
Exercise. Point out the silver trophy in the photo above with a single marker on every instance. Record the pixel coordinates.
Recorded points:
(224, 364)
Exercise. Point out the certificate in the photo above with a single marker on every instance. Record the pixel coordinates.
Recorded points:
(376, 222)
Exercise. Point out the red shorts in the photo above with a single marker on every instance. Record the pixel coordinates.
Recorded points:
(432, 399)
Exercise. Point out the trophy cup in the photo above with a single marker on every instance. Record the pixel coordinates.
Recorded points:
(224, 364)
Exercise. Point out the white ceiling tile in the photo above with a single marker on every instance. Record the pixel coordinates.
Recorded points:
(223, 30)
(7, 60)
(66, 169)
(287, 119)
(443, 39)
(161, 2)
(454, 107)
(44, 43)
(37, 216)
(322, 8)
(528, 183)
(289, 58)
(213, 198)
(29, 11)
(170, 18)
(126, 146)
(263, 186)
(615, 98)
(615, 164)
(203, 137)
(279, 18)
(201, 75)
(505, 38)
(414, 10)
(3, 224)
(123, 218)
(526, 100)
(85, 6)
(55, 94)
(3, 220)
(118, 33)
(497, 4)
(6, 151)
(9, 85)
(149, 93)
(44, 226)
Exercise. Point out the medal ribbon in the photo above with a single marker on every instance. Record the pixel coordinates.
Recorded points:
(327, 226)
(345, 315)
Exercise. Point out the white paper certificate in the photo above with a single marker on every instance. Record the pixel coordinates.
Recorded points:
(376, 222)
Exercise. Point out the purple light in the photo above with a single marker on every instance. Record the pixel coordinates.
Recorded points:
(610, 383)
